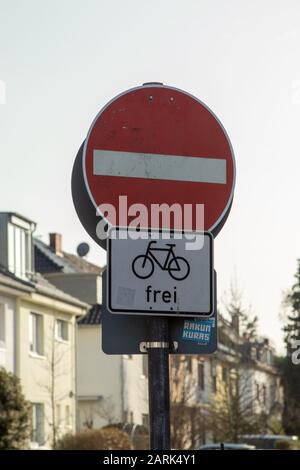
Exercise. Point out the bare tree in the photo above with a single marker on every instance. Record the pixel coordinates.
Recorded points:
(88, 421)
(235, 409)
(104, 408)
(57, 366)
(238, 406)
(188, 414)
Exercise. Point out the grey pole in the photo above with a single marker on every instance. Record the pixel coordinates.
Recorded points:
(158, 382)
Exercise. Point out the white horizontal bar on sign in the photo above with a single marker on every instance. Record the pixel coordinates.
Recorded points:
(163, 167)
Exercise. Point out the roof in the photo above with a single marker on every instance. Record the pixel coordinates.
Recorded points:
(8, 279)
(47, 261)
(44, 287)
(37, 284)
(82, 265)
(92, 317)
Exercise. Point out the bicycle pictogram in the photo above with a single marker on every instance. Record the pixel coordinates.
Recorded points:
(177, 267)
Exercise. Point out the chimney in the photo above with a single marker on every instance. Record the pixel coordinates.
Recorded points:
(55, 242)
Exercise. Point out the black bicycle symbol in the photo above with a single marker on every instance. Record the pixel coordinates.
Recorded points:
(177, 267)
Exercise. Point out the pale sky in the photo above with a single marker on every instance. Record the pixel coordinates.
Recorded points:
(62, 60)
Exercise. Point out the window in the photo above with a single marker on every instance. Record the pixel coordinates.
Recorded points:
(2, 326)
(201, 383)
(214, 384)
(253, 353)
(37, 431)
(145, 420)
(257, 391)
(125, 416)
(36, 333)
(214, 378)
(264, 395)
(68, 415)
(58, 414)
(189, 364)
(19, 250)
(145, 365)
(62, 330)
(273, 393)
(225, 374)
(269, 357)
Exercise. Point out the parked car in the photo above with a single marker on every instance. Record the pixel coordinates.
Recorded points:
(227, 446)
(268, 441)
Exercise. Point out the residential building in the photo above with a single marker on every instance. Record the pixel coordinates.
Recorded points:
(200, 382)
(99, 377)
(109, 388)
(37, 333)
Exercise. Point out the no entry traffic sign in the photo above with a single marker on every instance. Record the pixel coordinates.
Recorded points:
(156, 145)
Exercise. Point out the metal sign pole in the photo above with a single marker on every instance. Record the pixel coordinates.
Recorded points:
(158, 382)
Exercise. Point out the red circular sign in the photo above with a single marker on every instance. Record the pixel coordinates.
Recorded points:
(159, 145)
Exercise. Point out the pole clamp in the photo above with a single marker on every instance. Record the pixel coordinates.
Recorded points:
(145, 345)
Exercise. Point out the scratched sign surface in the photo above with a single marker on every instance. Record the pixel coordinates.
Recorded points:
(159, 145)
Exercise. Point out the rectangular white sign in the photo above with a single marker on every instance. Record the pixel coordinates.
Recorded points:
(155, 275)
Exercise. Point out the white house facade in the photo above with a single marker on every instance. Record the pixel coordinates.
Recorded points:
(37, 334)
